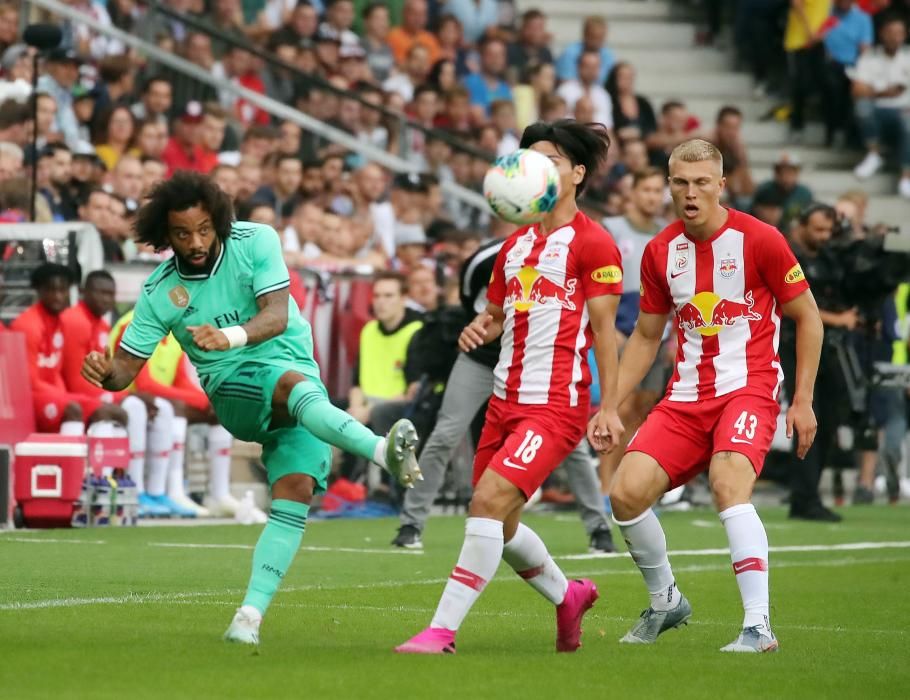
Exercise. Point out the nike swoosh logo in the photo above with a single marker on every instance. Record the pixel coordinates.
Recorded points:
(510, 463)
(674, 275)
(744, 442)
(737, 569)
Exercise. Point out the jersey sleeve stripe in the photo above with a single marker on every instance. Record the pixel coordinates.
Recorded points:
(133, 351)
(273, 288)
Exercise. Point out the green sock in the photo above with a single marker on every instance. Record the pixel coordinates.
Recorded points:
(275, 550)
(330, 424)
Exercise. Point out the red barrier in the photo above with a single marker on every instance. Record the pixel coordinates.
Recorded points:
(17, 417)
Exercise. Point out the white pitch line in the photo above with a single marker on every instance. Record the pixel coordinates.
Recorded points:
(305, 548)
(844, 547)
(194, 597)
(47, 540)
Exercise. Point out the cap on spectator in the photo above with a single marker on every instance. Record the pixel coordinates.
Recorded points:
(82, 91)
(11, 56)
(788, 159)
(192, 113)
(770, 197)
(84, 149)
(64, 55)
(327, 34)
(351, 51)
(409, 182)
(409, 234)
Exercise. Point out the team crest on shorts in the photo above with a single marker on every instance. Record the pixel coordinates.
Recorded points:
(727, 267)
(179, 296)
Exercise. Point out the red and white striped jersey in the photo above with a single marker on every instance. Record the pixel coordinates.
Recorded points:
(542, 283)
(727, 292)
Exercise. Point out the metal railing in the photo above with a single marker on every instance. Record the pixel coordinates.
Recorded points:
(263, 102)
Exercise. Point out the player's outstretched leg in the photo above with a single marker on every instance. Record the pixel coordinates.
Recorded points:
(308, 403)
(638, 483)
(274, 552)
(528, 556)
(749, 551)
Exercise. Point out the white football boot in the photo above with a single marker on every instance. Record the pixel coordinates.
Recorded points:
(244, 628)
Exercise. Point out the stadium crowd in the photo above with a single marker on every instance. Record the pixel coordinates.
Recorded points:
(446, 85)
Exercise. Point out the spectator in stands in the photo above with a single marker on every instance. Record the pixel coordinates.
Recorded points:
(452, 46)
(226, 177)
(587, 85)
(376, 29)
(443, 75)
(226, 16)
(155, 102)
(373, 129)
(848, 34)
(44, 341)
(300, 236)
(9, 24)
(456, 114)
(674, 127)
(593, 38)
(633, 158)
(633, 115)
(237, 68)
(197, 49)
(881, 87)
(116, 82)
(423, 290)
(126, 179)
(531, 49)
(794, 197)
(300, 27)
(477, 17)
(728, 138)
(88, 170)
(502, 116)
(84, 101)
(183, 151)
(11, 157)
(14, 120)
(153, 172)
(59, 196)
(327, 47)
(210, 135)
(116, 133)
(151, 139)
(413, 30)
(16, 72)
(96, 210)
(768, 206)
(61, 73)
(802, 42)
(410, 246)
(414, 72)
(488, 84)
(285, 191)
(382, 370)
(339, 17)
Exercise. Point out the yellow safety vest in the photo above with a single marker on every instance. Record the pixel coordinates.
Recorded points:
(163, 363)
(382, 359)
(899, 347)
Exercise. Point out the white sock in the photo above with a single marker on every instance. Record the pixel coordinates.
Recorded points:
(528, 555)
(379, 454)
(749, 551)
(648, 546)
(477, 564)
(72, 427)
(175, 487)
(219, 441)
(137, 426)
(158, 453)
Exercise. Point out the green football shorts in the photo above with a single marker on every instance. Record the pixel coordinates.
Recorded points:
(243, 403)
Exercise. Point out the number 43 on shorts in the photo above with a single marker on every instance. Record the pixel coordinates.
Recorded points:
(745, 428)
(526, 451)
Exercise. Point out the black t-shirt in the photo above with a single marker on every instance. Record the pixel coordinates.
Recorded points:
(475, 277)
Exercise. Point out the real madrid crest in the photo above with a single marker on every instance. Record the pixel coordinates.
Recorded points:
(179, 296)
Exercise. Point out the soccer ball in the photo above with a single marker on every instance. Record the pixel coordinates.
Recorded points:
(522, 187)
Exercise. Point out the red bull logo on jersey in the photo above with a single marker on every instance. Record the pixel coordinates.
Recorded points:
(707, 313)
(529, 288)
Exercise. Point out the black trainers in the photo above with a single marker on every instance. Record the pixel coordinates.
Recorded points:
(817, 513)
(863, 496)
(602, 541)
(408, 537)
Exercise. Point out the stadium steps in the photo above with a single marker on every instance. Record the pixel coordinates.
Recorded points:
(658, 38)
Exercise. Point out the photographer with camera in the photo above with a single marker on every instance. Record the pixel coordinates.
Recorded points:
(853, 278)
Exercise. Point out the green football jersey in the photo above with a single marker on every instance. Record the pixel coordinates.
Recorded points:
(249, 265)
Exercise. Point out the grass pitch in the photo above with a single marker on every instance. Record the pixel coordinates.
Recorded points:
(139, 613)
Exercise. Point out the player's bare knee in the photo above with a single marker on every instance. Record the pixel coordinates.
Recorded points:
(491, 502)
(294, 487)
(285, 385)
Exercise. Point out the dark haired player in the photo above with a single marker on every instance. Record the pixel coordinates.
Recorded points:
(555, 288)
(224, 296)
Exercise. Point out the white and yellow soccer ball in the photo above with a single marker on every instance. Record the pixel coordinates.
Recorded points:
(522, 187)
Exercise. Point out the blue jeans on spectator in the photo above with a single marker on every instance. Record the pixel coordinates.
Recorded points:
(877, 122)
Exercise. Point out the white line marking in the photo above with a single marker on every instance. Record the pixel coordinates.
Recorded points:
(48, 540)
(844, 547)
(305, 548)
(717, 524)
